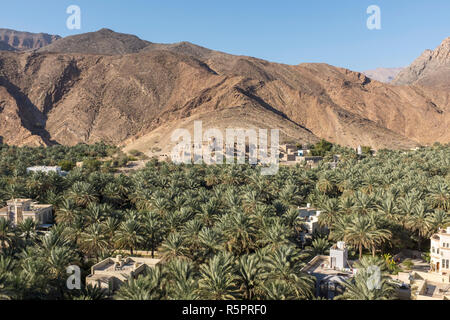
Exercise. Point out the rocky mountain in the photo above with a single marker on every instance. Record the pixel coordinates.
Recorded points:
(431, 69)
(385, 75)
(12, 40)
(104, 41)
(137, 99)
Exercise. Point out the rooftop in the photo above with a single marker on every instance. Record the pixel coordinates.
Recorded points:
(436, 290)
(442, 232)
(122, 265)
(319, 267)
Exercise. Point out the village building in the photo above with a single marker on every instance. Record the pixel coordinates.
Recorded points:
(440, 252)
(433, 281)
(331, 271)
(310, 219)
(47, 170)
(111, 273)
(18, 210)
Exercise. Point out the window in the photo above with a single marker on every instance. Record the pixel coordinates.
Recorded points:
(432, 250)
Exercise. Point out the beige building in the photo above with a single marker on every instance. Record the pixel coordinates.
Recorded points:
(18, 210)
(310, 218)
(434, 284)
(440, 252)
(111, 273)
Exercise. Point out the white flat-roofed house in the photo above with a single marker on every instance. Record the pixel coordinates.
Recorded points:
(339, 256)
(47, 170)
(310, 218)
(440, 252)
(18, 210)
(331, 271)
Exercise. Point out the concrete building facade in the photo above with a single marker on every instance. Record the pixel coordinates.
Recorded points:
(440, 252)
(339, 256)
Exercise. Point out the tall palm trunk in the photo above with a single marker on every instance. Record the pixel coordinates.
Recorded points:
(360, 250)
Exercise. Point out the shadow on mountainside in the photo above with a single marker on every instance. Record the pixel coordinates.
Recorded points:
(31, 117)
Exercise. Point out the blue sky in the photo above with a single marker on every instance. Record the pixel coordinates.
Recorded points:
(286, 31)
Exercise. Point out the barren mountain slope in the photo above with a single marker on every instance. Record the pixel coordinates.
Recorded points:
(12, 40)
(104, 41)
(140, 98)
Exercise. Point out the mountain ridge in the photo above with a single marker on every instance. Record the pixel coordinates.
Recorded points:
(431, 68)
(12, 40)
(136, 99)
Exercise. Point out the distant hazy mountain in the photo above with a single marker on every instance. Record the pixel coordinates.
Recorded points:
(432, 68)
(117, 88)
(12, 40)
(385, 75)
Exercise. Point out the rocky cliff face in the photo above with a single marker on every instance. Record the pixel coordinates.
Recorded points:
(432, 68)
(12, 40)
(137, 99)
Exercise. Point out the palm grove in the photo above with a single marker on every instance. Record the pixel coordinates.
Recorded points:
(222, 232)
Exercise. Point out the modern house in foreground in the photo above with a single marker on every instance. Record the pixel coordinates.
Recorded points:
(18, 210)
(432, 283)
(440, 252)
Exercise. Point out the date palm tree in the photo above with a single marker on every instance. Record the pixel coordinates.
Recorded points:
(329, 213)
(278, 290)
(273, 234)
(360, 233)
(418, 222)
(153, 230)
(90, 293)
(67, 212)
(284, 264)
(58, 259)
(249, 278)
(370, 283)
(93, 240)
(389, 209)
(143, 287)
(110, 226)
(7, 234)
(180, 280)
(82, 193)
(440, 195)
(217, 279)
(436, 220)
(173, 247)
(239, 231)
(129, 235)
(319, 246)
(28, 230)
